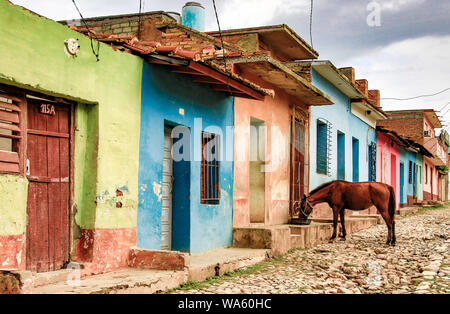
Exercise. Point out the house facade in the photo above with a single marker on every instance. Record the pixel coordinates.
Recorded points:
(343, 143)
(69, 146)
(419, 126)
(271, 171)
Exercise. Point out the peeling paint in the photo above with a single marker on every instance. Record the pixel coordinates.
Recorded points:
(157, 189)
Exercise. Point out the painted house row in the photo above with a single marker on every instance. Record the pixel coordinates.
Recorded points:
(145, 134)
(87, 170)
(414, 160)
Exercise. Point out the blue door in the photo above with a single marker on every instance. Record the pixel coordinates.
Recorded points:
(402, 183)
(341, 156)
(355, 148)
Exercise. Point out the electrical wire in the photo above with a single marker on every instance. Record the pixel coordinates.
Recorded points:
(311, 23)
(223, 45)
(420, 96)
(91, 34)
(139, 22)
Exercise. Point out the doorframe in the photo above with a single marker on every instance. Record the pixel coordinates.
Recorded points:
(21, 95)
(71, 216)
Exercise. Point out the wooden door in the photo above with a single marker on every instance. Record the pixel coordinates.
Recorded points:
(297, 175)
(48, 172)
(167, 187)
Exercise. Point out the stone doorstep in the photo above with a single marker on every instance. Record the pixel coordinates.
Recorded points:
(127, 281)
(219, 262)
(320, 230)
(158, 259)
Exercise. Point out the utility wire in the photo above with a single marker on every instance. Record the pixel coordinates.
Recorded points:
(139, 22)
(91, 34)
(420, 96)
(221, 39)
(311, 23)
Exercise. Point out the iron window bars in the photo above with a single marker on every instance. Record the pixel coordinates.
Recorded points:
(323, 146)
(210, 169)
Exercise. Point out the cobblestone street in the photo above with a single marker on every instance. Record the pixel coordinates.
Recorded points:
(420, 263)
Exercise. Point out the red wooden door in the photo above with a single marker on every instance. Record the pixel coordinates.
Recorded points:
(298, 166)
(48, 171)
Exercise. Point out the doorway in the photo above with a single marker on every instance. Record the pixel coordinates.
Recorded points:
(402, 183)
(257, 175)
(341, 156)
(167, 188)
(48, 173)
(394, 171)
(355, 154)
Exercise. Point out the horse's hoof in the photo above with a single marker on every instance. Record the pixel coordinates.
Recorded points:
(332, 240)
(342, 239)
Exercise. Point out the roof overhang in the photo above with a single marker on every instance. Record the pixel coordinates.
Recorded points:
(433, 118)
(327, 70)
(276, 73)
(280, 38)
(205, 74)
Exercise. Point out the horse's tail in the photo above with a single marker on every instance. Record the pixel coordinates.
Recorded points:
(392, 204)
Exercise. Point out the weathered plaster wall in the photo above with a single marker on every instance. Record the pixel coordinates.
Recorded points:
(276, 113)
(431, 184)
(13, 196)
(163, 95)
(107, 135)
(342, 120)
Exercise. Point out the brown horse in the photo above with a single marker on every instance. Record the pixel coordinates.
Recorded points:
(341, 195)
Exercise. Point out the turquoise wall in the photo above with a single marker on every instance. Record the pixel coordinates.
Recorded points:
(174, 99)
(342, 120)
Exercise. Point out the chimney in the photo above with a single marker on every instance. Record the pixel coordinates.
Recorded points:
(349, 73)
(374, 98)
(193, 16)
(363, 86)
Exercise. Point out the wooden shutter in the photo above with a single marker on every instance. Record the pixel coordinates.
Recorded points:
(10, 133)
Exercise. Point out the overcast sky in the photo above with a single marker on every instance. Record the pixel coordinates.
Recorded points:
(406, 56)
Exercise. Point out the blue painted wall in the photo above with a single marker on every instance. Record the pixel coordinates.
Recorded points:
(197, 227)
(344, 121)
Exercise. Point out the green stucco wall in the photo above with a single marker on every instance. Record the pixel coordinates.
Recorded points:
(13, 202)
(107, 118)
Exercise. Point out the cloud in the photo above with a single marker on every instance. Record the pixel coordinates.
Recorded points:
(409, 68)
(406, 56)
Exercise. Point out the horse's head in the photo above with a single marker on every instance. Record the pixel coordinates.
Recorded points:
(305, 208)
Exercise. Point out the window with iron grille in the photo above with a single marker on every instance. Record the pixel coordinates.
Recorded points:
(323, 153)
(10, 134)
(373, 162)
(426, 174)
(410, 172)
(210, 166)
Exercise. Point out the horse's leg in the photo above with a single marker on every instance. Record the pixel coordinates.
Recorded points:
(388, 221)
(335, 222)
(342, 216)
(393, 239)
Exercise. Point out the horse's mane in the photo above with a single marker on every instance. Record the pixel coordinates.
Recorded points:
(320, 187)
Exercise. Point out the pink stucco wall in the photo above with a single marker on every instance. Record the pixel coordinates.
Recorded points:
(276, 114)
(388, 152)
(430, 180)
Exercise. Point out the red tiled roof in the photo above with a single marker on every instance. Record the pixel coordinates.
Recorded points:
(147, 48)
